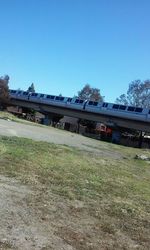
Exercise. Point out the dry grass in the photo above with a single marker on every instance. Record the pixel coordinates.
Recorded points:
(106, 201)
(8, 116)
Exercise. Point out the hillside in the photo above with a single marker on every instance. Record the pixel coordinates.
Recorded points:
(64, 197)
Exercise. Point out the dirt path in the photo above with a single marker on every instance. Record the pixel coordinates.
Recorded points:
(44, 133)
(57, 136)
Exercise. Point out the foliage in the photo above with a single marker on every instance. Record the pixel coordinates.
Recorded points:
(89, 93)
(4, 89)
(31, 88)
(138, 94)
(122, 99)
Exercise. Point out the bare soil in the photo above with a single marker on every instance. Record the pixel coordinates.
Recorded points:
(34, 219)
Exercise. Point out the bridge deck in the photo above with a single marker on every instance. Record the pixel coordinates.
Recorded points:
(83, 114)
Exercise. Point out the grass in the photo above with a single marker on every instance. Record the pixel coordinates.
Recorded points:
(8, 116)
(116, 192)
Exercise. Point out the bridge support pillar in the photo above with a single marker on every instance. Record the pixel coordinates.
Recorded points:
(140, 139)
(52, 119)
(116, 136)
(47, 120)
(78, 126)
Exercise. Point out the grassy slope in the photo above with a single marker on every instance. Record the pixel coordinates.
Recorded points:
(8, 116)
(11, 117)
(116, 192)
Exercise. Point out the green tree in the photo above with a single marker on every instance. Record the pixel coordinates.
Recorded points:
(89, 93)
(138, 94)
(122, 99)
(31, 88)
(4, 89)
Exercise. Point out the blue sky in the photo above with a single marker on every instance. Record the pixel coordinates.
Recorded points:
(60, 45)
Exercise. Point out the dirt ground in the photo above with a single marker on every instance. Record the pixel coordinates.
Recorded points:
(34, 219)
(57, 136)
(44, 133)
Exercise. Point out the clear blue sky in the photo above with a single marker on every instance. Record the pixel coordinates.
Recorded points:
(60, 45)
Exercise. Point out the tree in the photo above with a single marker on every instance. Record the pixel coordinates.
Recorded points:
(31, 88)
(4, 89)
(122, 99)
(138, 94)
(89, 93)
(93, 94)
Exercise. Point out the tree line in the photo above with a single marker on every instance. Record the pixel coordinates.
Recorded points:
(138, 93)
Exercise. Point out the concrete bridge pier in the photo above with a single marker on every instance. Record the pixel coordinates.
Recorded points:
(116, 136)
(140, 139)
(51, 119)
